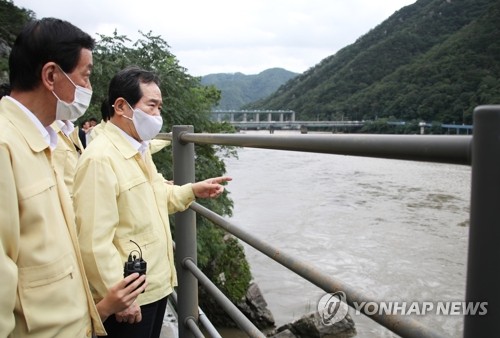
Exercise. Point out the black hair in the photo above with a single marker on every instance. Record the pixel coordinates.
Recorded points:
(42, 41)
(4, 89)
(126, 84)
(105, 110)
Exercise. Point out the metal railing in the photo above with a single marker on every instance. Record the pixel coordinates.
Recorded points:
(481, 151)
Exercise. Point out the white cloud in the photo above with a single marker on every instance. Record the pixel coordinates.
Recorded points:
(227, 36)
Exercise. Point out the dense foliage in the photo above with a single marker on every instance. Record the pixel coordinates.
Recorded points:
(434, 60)
(12, 20)
(239, 89)
(186, 102)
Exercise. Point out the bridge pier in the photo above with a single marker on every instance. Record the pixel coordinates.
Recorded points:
(422, 127)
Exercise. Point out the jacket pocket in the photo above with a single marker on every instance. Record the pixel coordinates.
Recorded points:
(52, 294)
(39, 186)
(145, 240)
(132, 182)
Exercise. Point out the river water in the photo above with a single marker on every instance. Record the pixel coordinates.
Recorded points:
(396, 229)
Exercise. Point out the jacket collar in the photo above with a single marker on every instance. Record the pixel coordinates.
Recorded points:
(15, 114)
(119, 140)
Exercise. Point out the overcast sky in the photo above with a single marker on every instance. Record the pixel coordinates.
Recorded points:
(228, 36)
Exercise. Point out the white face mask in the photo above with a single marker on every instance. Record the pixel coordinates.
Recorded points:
(72, 111)
(147, 126)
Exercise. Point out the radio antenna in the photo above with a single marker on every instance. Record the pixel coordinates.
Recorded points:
(140, 251)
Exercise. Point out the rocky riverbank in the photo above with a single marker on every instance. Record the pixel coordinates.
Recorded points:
(255, 308)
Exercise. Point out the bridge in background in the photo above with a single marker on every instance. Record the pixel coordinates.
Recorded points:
(285, 119)
(235, 116)
(274, 119)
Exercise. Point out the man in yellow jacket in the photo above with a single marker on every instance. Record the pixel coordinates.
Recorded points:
(120, 197)
(44, 290)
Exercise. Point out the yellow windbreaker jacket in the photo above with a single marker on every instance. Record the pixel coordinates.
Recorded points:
(44, 291)
(119, 196)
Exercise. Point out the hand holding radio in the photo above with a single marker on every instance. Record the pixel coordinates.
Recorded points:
(121, 295)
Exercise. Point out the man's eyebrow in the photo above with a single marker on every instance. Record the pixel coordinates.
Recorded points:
(156, 101)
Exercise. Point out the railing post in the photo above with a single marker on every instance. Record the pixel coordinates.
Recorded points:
(185, 234)
(483, 279)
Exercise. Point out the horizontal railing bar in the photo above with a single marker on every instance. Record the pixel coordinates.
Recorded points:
(191, 324)
(207, 324)
(239, 318)
(164, 136)
(401, 325)
(454, 149)
(173, 298)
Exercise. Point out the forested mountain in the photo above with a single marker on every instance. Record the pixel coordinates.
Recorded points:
(434, 60)
(239, 89)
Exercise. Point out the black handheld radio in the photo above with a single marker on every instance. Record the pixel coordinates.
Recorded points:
(134, 264)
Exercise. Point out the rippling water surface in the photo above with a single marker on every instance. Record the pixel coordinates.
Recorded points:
(396, 229)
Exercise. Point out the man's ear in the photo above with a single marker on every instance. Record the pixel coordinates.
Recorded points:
(48, 75)
(119, 106)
